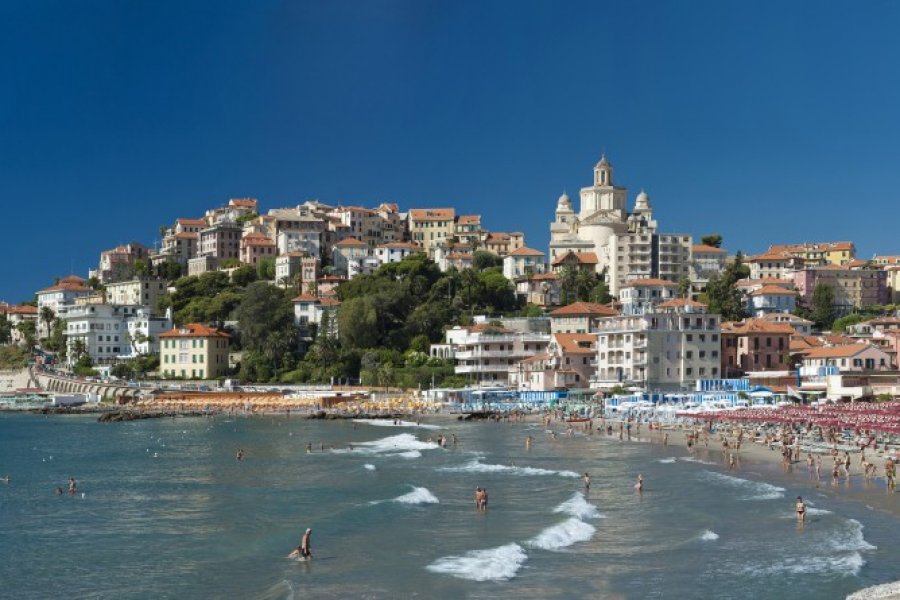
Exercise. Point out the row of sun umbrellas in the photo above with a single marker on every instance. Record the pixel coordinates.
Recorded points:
(883, 417)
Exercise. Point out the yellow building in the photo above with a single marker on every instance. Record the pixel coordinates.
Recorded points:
(819, 254)
(194, 351)
(430, 227)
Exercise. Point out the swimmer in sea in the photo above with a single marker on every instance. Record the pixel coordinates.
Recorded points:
(639, 486)
(240, 454)
(801, 510)
(58, 491)
(71, 486)
(304, 550)
(308, 447)
(587, 483)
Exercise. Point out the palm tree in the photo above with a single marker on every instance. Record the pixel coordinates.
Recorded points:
(47, 316)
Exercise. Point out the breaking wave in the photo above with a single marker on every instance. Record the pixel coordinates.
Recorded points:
(476, 466)
(563, 535)
(492, 564)
(755, 490)
(578, 507)
(709, 536)
(391, 423)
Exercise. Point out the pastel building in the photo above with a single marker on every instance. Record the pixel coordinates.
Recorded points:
(194, 351)
(523, 262)
(755, 345)
(771, 299)
(853, 288)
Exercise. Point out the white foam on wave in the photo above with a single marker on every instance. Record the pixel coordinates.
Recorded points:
(419, 495)
(369, 467)
(667, 461)
(846, 564)
(492, 564)
(577, 506)
(476, 466)
(756, 490)
(694, 459)
(709, 536)
(850, 537)
(397, 445)
(392, 423)
(563, 535)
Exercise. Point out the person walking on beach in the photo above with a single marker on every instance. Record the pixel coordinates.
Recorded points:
(801, 510)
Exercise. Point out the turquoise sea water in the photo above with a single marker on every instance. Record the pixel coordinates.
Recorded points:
(168, 512)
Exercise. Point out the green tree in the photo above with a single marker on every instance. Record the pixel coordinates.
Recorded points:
(245, 218)
(840, 325)
(568, 283)
(27, 330)
(5, 329)
(243, 275)
(265, 268)
(724, 298)
(585, 281)
(229, 263)
(482, 259)
(358, 323)
(141, 268)
(266, 322)
(56, 342)
(713, 239)
(169, 270)
(46, 316)
(823, 310)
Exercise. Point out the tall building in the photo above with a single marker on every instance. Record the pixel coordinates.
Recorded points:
(627, 245)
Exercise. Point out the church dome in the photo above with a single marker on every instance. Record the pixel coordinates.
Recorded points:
(603, 162)
(564, 201)
(642, 202)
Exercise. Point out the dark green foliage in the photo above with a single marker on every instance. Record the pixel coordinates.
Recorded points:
(13, 357)
(482, 259)
(244, 276)
(823, 311)
(169, 270)
(266, 321)
(722, 295)
(714, 240)
(5, 330)
(265, 268)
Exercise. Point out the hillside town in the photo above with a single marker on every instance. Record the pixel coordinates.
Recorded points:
(616, 305)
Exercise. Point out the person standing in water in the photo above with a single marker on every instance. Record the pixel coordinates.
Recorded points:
(71, 486)
(304, 550)
(801, 510)
(639, 486)
(587, 483)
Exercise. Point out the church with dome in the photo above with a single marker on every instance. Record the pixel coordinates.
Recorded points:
(602, 235)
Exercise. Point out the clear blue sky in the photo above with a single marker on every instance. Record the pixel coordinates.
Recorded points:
(764, 121)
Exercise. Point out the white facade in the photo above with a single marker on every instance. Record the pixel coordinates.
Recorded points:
(108, 331)
(666, 350)
(484, 354)
(523, 262)
(141, 291)
(394, 252)
(771, 299)
(641, 296)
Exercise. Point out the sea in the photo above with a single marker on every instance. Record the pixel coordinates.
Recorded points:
(163, 509)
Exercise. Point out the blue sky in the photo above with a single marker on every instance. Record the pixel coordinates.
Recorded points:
(765, 122)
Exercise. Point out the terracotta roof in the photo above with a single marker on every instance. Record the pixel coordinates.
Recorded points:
(66, 287)
(256, 239)
(72, 279)
(350, 242)
(705, 248)
(536, 358)
(361, 209)
(243, 202)
(543, 276)
(585, 258)
(649, 282)
(773, 290)
(785, 318)
(524, 251)
(18, 309)
(331, 279)
(838, 340)
(194, 222)
(845, 351)
(401, 246)
(584, 309)
(574, 343)
(469, 219)
(497, 236)
(803, 343)
(431, 214)
(676, 302)
(194, 330)
(756, 326)
(305, 298)
(773, 256)
(813, 247)
(186, 236)
(887, 260)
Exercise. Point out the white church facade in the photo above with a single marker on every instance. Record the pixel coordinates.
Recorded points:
(627, 245)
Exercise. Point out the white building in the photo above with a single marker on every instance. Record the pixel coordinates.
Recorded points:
(312, 311)
(667, 350)
(140, 291)
(484, 353)
(347, 251)
(627, 245)
(640, 296)
(799, 324)
(707, 261)
(523, 262)
(393, 252)
(61, 295)
(111, 332)
(771, 299)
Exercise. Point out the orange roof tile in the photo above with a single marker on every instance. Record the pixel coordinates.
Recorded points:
(584, 309)
(705, 248)
(585, 258)
(676, 302)
(243, 202)
(192, 222)
(525, 251)
(431, 214)
(305, 298)
(194, 330)
(350, 242)
(186, 236)
(773, 290)
(469, 219)
(649, 281)
(756, 326)
(576, 343)
(401, 246)
(844, 351)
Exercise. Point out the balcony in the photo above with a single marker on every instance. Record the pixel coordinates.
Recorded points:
(482, 369)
